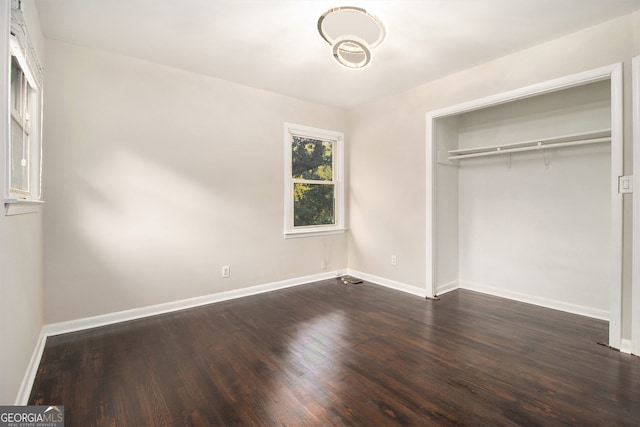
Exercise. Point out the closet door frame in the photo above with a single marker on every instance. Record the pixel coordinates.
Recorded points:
(613, 73)
(635, 265)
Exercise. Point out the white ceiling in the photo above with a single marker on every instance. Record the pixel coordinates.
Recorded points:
(275, 45)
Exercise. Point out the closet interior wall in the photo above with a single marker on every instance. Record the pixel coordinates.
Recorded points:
(529, 225)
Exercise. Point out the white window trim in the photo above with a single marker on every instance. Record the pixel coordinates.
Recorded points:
(291, 232)
(21, 47)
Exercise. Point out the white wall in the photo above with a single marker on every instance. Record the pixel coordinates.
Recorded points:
(157, 177)
(21, 292)
(636, 33)
(388, 146)
(447, 205)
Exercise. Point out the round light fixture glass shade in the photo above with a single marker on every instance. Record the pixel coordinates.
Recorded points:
(353, 33)
(351, 52)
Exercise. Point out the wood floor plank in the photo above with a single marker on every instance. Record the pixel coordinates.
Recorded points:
(329, 354)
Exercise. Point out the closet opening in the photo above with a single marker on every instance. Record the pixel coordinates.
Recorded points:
(522, 196)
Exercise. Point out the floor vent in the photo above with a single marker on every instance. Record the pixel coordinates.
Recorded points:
(350, 280)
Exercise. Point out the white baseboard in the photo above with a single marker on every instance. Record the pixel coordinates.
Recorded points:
(32, 369)
(447, 287)
(399, 286)
(532, 299)
(625, 346)
(153, 310)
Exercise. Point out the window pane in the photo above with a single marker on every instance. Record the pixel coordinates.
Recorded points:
(313, 204)
(19, 158)
(26, 105)
(312, 159)
(16, 85)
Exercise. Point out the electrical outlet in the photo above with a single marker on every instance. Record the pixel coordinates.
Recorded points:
(394, 260)
(226, 271)
(323, 264)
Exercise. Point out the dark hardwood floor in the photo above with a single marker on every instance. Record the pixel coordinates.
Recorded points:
(328, 354)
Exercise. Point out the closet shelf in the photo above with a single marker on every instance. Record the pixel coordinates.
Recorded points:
(584, 138)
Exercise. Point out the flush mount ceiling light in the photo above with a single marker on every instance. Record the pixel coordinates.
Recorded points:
(352, 33)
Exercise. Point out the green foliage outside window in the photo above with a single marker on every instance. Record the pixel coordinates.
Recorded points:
(312, 160)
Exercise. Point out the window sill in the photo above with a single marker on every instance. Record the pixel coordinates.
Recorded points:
(21, 206)
(313, 233)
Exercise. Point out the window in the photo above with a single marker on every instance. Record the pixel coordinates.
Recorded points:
(23, 146)
(314, 189)
(20, 148)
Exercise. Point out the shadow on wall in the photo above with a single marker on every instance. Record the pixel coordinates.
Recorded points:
(142, 234)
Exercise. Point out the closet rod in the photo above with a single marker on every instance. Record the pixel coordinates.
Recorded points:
(539, 146)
